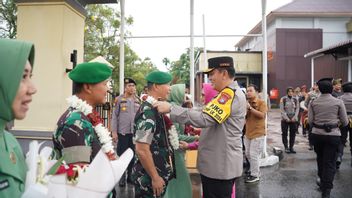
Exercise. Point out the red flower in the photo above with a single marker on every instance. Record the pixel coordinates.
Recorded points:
(94, 118)
(168, 122)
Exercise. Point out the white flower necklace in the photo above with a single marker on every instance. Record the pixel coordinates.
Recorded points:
(172, 132)
(102, 132)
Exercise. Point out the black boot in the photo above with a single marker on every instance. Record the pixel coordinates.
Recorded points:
(292, 150)
(287, 150)
(326, 193)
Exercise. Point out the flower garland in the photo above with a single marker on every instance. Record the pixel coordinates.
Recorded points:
(94, 117)
(172, 132)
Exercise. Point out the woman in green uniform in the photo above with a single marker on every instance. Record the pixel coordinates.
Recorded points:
(16, 90)
(181, 186)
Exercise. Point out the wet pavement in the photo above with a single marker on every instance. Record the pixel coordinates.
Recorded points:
(293, 177)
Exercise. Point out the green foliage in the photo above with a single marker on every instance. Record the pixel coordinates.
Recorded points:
(180, 69)
(8, 19)
(102, 39)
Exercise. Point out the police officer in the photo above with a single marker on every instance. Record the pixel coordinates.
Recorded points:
(325, 114)
(312, 95)
(289, 107)
(336, 92)
(16, 92)
(347, 100)
(220, 157)
(125, 109)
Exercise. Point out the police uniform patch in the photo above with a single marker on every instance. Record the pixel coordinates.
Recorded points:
(220, 107)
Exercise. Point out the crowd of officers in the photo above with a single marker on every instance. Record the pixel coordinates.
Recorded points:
(325, 113)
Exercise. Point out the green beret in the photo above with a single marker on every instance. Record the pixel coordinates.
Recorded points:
(158, 77)
(92, 72)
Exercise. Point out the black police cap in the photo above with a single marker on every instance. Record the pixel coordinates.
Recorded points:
(218, 62)
(129, 80)
(347, 87)
(325, 79)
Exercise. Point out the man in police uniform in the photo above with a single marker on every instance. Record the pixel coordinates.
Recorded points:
(289, 107)
(126, 107)
(325, 114)
(154, 160)
(347, 100)
(220, 157)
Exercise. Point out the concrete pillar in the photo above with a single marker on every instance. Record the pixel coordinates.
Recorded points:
(56, 27)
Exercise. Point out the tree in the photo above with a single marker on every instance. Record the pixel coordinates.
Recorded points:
(180, 69)
(102, 39)
(8, 18)
(166, 61)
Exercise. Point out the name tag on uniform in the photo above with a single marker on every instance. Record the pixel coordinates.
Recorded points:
(220, 107)
(4, 184)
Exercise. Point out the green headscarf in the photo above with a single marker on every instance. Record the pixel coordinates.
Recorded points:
(13, 57)
(177, 94)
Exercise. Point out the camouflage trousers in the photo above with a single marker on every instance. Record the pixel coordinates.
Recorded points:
(143, 187)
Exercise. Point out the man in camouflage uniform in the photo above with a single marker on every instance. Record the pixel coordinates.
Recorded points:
(75, 138)
(153, 166)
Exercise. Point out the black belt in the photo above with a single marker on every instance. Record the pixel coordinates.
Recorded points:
(349, 113)
(326, 127)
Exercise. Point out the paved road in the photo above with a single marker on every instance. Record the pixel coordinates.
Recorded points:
(293, 177)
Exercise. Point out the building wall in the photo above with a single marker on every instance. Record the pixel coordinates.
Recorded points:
(56, 29)
(334, 30)
(327, 66)
(288, 67)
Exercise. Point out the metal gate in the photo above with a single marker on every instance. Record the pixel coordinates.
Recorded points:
(105, 110)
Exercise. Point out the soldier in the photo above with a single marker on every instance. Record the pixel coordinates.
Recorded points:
(126, 107)
(347, 100)
(325, 114)
(220, 157)
(289, 107)
(80, 135)
(16, 92)
(153, 166)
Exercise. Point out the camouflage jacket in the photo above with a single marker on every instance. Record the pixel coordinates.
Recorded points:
(149, 127)
(75, 136)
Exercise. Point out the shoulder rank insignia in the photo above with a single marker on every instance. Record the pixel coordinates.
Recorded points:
(220, 107)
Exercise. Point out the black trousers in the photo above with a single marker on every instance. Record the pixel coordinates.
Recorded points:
(216, 188)
(326, 147)
(125, 142)
(344, 134)
(288, 126)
